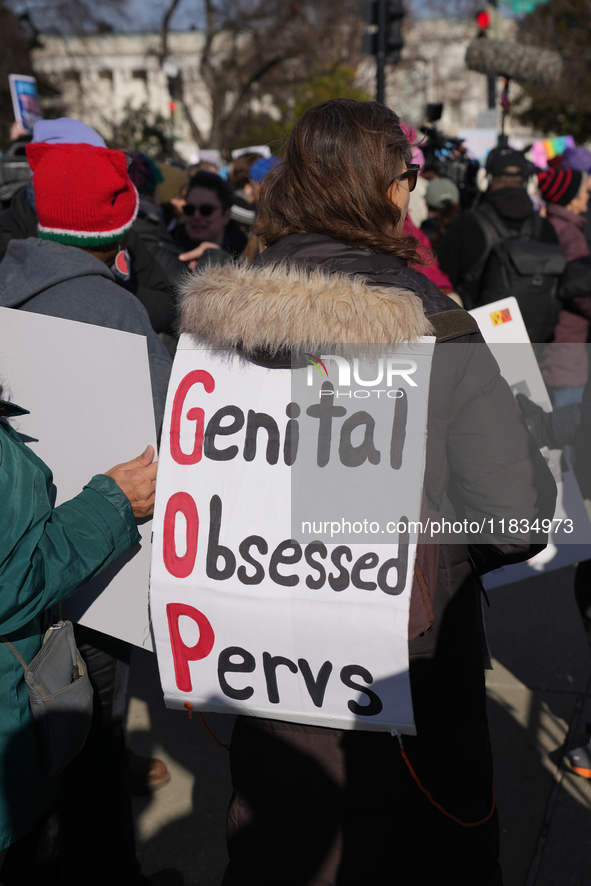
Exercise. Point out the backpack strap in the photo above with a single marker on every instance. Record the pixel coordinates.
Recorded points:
(452, 324)
(504, 233)
(494, 229)
(536, 226)
(491, 234)
(529, 230)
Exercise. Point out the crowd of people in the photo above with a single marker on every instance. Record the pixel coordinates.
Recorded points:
(106, 236)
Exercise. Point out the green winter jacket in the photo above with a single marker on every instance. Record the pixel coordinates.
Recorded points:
(45, 555)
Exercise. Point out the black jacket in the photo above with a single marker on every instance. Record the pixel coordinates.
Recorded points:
(17, 222)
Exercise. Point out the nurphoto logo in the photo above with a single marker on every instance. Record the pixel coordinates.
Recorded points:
(388, 370)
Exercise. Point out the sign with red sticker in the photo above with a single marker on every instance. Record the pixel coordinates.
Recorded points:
(499, 317)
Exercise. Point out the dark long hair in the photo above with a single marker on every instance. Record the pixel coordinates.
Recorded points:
(338, 165)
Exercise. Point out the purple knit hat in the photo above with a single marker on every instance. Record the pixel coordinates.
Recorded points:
(577, 158)
(66, 131)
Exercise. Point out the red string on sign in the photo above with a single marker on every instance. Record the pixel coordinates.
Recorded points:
(189, 708)
(464, 824)
(207, 729)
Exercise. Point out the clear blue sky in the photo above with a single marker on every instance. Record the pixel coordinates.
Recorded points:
(146, 15)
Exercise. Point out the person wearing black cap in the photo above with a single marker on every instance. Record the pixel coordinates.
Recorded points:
(463, 252)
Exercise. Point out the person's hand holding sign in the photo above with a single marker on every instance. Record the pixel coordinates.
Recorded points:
(137, 480)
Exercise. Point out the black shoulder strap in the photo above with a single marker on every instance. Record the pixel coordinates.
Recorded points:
(529, 230)
(536, 226)
(491, 236)
(496, 221)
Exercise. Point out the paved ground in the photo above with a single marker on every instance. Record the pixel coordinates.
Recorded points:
(539, 699)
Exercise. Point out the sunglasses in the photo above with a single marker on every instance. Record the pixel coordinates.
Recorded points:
(205, 210)
(411, 175)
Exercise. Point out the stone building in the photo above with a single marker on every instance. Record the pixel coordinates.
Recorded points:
(103, 76)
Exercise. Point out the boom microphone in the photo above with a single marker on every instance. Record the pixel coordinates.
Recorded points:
(514, 61)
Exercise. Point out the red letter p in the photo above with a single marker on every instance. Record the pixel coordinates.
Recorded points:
(181, 653)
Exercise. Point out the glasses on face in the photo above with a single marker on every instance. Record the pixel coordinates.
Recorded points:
(205, 210)
(411, 175)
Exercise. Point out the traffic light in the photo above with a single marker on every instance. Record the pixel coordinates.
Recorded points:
(394, 14)
(484, 21)
(490, 22)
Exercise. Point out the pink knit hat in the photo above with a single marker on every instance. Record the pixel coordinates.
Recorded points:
(83, 194)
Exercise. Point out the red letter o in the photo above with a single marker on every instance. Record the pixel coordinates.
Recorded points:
(180, 567)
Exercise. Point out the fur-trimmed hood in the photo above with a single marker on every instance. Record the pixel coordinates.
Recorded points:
(273, 307)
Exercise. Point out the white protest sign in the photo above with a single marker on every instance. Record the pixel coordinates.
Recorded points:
(88, 391)
(500, 322)
(25, 100)
(264, 150)
(247, 617)
(503, 329)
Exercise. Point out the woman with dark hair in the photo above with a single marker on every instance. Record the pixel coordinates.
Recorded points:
(46, 554)
(316, 806)
(207, 219)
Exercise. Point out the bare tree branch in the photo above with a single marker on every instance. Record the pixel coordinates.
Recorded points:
(256, 48)
(166, 25)
(195, 130)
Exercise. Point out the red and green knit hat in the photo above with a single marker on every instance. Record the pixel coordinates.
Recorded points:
(83, 194)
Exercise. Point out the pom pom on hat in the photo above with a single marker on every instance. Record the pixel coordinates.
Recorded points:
(83, 194)
(560, 185)
(577, 158)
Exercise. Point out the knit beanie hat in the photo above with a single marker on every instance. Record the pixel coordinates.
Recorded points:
(243, 212)
(66, 131)
(560, 185)
(83, 194)
(260, 169)
(577, 158)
